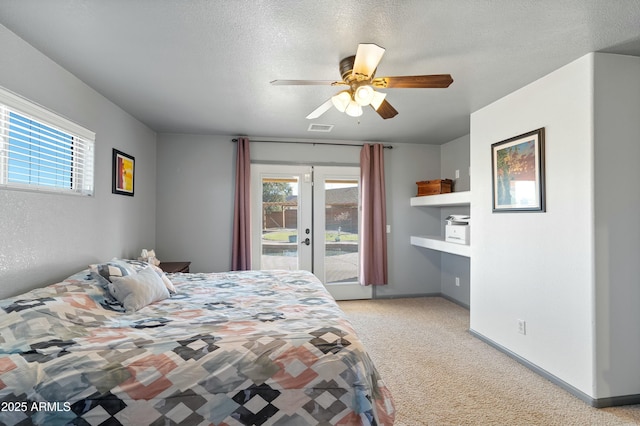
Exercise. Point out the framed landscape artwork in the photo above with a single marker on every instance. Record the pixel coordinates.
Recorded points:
(518, 173)
(123, 173)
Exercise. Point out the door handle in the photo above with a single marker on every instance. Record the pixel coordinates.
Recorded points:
(307, 241)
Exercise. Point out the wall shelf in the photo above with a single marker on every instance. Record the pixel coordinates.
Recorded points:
(439, 244)
(442, 200)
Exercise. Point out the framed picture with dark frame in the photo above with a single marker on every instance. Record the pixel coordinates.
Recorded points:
(517, 172)
(123, 173)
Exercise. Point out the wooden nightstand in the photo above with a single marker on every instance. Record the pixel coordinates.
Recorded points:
(171, 267)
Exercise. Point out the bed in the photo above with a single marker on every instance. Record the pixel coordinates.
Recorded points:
(234, 348)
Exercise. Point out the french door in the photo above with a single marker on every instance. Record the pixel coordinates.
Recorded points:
(307, 217)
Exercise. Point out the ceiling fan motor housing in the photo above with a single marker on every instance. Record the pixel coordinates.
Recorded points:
(355, 81)
(346, 68)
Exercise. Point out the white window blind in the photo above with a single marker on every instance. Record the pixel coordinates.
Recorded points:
(40, 150)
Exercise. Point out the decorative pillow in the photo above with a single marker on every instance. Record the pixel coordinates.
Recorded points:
(138, 265)
(112, 269)
(138, 290)
(100, 280)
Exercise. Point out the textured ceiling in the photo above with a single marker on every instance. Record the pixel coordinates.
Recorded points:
(204, 66)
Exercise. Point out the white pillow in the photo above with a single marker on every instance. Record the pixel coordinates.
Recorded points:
(138, 290)
(167, 282)
(137, 265)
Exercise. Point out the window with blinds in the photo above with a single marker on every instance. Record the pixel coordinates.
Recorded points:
(39, 150)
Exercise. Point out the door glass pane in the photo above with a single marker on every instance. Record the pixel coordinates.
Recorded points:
(280, 223)
(341, 231)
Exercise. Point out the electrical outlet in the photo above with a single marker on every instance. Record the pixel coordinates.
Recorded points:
(522, 326)
(457, 174)
(457, 281)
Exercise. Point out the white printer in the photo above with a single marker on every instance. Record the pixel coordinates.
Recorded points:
(456, 229)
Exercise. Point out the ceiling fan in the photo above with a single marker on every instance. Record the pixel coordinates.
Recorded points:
(358, 73)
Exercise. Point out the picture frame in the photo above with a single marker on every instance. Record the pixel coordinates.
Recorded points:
(123, 175)
(517, 173)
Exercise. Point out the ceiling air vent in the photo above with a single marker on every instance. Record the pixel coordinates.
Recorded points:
(326, 128)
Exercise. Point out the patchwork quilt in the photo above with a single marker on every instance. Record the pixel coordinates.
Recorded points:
(235, 348)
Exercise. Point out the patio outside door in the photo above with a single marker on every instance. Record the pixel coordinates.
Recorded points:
(308, 218)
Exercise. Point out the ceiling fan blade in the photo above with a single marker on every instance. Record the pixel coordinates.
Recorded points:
(385, 110)
(307, 83)
(367, 59)
(320, 110)
(414, 81)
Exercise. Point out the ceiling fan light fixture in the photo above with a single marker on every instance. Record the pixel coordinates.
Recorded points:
(377, 99)
(341, 100)
(364, 95)
(353, 109)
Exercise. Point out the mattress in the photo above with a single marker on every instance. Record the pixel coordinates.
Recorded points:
(234, 348)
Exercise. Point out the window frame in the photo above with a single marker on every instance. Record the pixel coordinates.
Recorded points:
(82, 170)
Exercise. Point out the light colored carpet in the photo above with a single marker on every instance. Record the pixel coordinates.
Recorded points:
(441, 375)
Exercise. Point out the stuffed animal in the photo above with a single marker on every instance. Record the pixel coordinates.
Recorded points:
(149, 256)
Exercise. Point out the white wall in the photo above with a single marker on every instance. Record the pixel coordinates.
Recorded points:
(571, 273)
(195, 202)
(46, 237)
(617, 239)
(454, 156)
(412, 270)
(538, 266)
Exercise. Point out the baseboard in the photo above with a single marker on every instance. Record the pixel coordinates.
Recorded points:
(457, 302)
(616, 401)
(401, 296)
(594, 402)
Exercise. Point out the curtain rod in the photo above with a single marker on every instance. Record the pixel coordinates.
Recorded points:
(315, 143)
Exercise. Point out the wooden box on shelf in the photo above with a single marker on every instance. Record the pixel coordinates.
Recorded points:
(432, 187)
